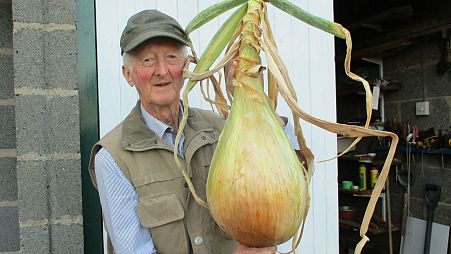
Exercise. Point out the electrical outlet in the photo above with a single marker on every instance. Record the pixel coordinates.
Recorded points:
(422, 108)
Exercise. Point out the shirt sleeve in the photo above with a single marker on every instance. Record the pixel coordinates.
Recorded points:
(289, 130)
(119, 200)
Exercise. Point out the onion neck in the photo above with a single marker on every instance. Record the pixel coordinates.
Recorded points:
(249, 55)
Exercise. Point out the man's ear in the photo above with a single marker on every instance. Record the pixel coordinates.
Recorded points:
(127, 75)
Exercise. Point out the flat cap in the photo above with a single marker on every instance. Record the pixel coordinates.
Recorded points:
(149, 24)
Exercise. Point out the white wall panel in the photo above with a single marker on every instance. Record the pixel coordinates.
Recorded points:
(309, 56)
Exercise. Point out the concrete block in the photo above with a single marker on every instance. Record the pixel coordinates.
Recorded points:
(47, 125)
(61, 68)
(439, 114)
(411, 81)
(9, 235)
(67, 238)
(65, 188)
(436, 176)
(35, 240)
(408, 113)
(442, 214)
(391, 110)
(33, 187)
(418, 208)
(410, 58)
(6, 25)
(432, 47)
(7, 77)
(45, 59)
(7, 128)
(49, 189)
(28, 58)
(32, 124)
(46, 11)
(8, 181)
(390, 66)
(435, 84)
(63, 124)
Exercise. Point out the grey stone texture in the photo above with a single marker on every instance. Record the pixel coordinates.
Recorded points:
(45, 11)
(6, 60)
(9, 235)
(6, 25)
(45, 60)
(47, 125)
(33, 187)
(430, 175)
(7, 128)
(439, 111)
(67, 239)
(6, 77)
(8, 179)
(64, 239)
(9, 239)
(442, 213)
(428, 169)
(415, 68)
(406, 69)
(35, 240)
(49, 189)
(392, 110)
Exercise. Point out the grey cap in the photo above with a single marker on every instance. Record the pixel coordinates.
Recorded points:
(149, 24)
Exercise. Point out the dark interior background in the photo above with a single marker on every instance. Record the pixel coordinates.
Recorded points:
(413, 41)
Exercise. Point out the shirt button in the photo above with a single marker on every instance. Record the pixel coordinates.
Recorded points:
(198, 240)
(186, 185)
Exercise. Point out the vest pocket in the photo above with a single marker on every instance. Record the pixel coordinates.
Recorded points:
(163, 215)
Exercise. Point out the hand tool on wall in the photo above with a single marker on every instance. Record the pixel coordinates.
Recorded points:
(432, 194)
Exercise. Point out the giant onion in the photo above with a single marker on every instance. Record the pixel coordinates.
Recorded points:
(257, 190)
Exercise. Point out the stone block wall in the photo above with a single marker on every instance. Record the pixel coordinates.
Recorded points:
(40, 184)
(9, 213)
(415, 70)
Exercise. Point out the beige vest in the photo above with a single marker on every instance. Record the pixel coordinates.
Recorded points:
(166, 207)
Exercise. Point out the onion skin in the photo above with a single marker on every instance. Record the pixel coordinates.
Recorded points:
(256, 188)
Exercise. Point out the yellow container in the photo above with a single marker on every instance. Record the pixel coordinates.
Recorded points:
(374, 174)
(362, 177)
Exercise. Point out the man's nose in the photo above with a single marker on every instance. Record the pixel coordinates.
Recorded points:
(161, 68)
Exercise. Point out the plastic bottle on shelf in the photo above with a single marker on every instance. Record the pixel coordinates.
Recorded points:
(374, 174)
(362, 177)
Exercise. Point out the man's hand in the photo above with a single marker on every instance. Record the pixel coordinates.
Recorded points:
(242, 249)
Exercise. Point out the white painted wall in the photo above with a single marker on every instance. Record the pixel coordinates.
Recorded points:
(309, 56)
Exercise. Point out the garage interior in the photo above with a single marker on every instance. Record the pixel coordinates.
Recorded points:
(403, 48)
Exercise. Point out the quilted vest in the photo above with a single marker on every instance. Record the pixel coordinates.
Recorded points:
(178, 225)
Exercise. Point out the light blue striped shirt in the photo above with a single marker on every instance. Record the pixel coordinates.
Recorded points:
(119, 198)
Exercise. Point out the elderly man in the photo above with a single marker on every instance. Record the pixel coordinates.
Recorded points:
(146, 204)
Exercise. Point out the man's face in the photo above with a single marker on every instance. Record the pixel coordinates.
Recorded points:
(157, 72)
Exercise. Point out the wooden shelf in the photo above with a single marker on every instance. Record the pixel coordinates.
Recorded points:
(374, 228)
(368, 159)
(357, 193)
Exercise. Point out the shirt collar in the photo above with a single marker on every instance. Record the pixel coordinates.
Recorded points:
(157, 126)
